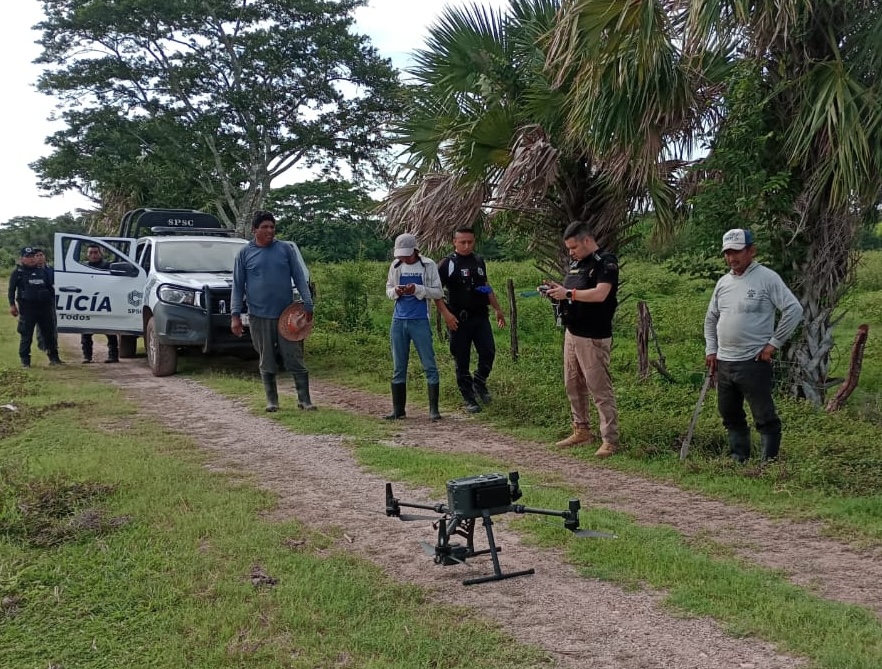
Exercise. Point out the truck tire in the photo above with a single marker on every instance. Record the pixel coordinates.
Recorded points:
(128, 346)
(163, 359)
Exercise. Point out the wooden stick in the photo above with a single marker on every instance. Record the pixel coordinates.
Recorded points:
(854, 369)
(684, 447)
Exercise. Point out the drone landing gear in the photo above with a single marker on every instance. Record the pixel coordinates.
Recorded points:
(494, 556)
(447, 553)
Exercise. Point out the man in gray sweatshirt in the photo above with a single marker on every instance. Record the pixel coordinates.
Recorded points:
(740, 340)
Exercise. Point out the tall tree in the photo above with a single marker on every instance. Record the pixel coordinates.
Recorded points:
(488, 132)
(819, 61)
(331, 220)
(241, 91)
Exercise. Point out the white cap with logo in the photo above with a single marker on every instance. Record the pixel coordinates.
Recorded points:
(736, 239)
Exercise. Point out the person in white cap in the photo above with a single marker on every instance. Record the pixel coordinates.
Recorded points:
(741, 338)
(412, 282)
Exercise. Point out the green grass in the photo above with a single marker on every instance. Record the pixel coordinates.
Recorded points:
(156, 572)
(171, 582)
(831, 466)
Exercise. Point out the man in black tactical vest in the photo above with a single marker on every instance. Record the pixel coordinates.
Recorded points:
(468, 295)
(94, 258)
(31, 300)
(587, 302)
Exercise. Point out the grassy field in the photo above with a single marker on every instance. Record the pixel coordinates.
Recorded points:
(831, 464)
(117, 548)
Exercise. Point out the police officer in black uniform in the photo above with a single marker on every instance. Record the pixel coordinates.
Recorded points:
(31, 300)
(587, 302)
(468, 295)
(94, 258)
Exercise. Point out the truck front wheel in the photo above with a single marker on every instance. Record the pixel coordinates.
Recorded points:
(163, 359)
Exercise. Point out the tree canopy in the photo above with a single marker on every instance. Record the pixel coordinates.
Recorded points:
(173, 99)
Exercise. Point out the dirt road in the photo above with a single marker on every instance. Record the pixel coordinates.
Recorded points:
(580, 622)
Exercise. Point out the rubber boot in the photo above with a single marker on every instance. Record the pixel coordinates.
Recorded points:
(434, 394)
(112, 349)
(739, 445)
(399, 400)
(272, 392)
(581, 435)
(301, 383)
(771, 444)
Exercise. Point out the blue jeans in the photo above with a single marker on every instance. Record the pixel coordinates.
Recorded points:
(418, 331)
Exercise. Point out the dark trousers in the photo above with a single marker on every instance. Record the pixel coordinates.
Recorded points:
(271, 347)
(475, 331)
(30, 317)
(112, 347)
(749, 380)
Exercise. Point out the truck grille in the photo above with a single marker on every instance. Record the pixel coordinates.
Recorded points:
(219, 300)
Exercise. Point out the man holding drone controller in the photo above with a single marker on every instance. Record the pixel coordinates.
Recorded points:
(587, 302)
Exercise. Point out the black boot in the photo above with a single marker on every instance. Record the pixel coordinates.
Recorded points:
(112, 349)
(301, 383)
(399, 400)
(87, 351)
(434, 394)
(272, 392)
(481, 391)
(739, 445)
(771, 444)
(471, 404)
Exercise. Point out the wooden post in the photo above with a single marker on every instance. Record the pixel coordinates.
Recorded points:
(512, 319)
(854, 369)
(642, 341)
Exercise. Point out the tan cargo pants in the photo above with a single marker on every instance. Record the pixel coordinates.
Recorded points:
(586, 372)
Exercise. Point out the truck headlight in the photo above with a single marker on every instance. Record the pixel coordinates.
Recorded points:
(185, 296)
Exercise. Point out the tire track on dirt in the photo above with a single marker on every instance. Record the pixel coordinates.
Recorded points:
(830, 568)
(579, 622)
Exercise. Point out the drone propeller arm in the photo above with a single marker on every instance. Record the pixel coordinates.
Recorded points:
(437, 508)
(393, 504)
(520, 508)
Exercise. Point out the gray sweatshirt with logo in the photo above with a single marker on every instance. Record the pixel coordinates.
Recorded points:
(740, 318)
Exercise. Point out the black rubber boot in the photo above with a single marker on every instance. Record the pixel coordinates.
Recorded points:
(399, 400)
(739, 445)
(301, 383)
(272, 392)
(434, 394)
(112, 349)
(771, 444)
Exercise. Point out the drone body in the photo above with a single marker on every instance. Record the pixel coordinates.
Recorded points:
(476, 497)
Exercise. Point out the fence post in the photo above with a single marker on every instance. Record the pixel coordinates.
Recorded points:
(512, 319)
(642, 341)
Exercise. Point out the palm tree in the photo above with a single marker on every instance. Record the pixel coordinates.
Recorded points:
(485, 139)
(819, 58)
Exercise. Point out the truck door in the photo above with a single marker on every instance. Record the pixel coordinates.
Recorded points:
(101, 301)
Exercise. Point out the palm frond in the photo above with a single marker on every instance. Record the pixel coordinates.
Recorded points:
(432, 208)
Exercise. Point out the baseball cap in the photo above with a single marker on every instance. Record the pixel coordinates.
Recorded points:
(405, 245)
(736, 239)
(28, 250)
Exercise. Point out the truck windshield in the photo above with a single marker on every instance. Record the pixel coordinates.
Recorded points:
(197, 255)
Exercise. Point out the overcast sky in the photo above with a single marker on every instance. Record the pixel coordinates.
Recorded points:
(397, 27)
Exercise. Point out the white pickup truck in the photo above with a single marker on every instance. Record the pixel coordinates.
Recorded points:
(172, 286)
